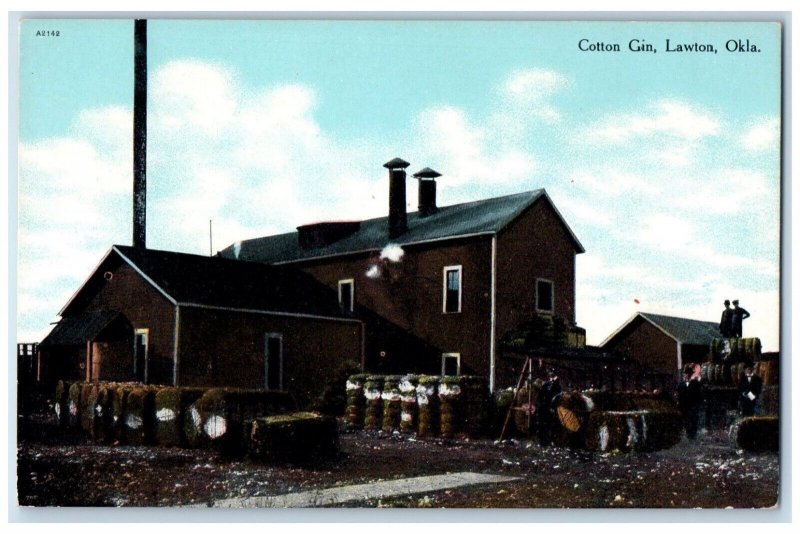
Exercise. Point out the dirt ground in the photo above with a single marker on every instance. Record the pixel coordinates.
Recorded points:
(55, 469)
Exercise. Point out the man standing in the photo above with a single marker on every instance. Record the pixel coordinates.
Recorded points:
(739, 315)
(726, 322)
(544, 407)
(690, 401)
(749, 390)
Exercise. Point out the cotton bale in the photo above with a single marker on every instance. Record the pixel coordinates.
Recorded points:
(373, 414)
(768, 371)
(717, 351)
(88, 399)
(745, 349)
(524, 411)
(172, 405)
(392, 407)
(408, 403)
(720, 375)
(103, 428)
(574, 409)
(451, 406)
(706, 371)
(139, 421)
(119, 401)
(356, 402)
(736, 373)
(61, 403)
(428, 406)
(300, 436)
(638, 430)
(221, 418)
(757, 433)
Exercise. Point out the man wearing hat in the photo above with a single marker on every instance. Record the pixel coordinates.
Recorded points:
(690, 400)
(545, 410)
(749, 390)
(726, 322)
(739, 315)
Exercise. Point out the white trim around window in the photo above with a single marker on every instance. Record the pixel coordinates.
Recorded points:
(552, 296)
(451, 355)
(352, 284)
(449, 269)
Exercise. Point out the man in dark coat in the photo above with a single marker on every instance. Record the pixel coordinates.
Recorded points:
(545, 409)
(739, 315)
(749, 390)
(726, 321)
(690, 401)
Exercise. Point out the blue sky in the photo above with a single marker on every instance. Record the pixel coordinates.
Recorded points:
(666, 165)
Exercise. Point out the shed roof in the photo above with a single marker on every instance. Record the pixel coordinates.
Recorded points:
(682, 330)
(487, 216)
(214, 281)
(76, 330)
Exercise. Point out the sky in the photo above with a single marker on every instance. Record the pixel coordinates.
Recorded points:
(666, 165)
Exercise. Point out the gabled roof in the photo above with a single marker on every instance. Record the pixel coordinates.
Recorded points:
(483, 217)
(76, 330)
(213, 281)
(684, 331)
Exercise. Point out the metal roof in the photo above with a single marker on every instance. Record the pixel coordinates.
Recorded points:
(483, 217)
(214, 281)
(76, 330)
(682, 330)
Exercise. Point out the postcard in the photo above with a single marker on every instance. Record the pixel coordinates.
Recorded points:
(371, 264)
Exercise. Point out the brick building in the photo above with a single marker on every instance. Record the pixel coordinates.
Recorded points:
(430, 292)
(663, 342)
(467, 273)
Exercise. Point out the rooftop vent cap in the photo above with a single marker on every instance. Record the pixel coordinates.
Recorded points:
(427, 191)
(396, 163)
(427, 172)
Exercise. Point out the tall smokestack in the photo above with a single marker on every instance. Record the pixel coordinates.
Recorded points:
(140, 133)
(427, 191)
(398, 223)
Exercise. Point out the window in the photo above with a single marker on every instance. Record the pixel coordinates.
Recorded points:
(140, 347)
(451, 364)
(273, 361)
(452, 289)
(346, 295)
(544, 295)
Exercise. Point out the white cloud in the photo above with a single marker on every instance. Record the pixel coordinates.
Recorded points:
(665, 231)
(576, 209)
(731, 190)
(669, 118)
(532, 90)
(193, 96)
(613, 182)
(763, 135)
(470, 154)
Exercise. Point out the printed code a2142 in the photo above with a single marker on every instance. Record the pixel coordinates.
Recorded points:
(48, 33)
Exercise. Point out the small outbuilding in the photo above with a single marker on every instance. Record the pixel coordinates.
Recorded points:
(662, 342)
